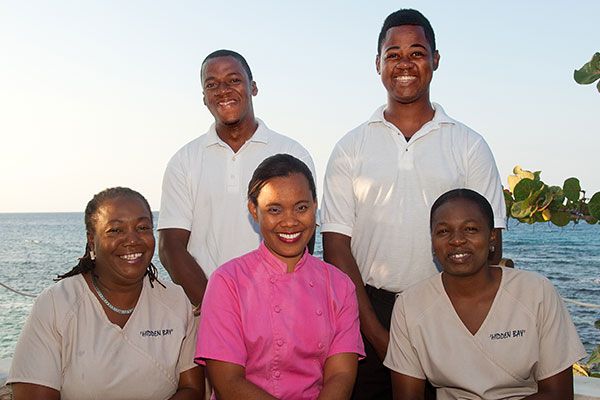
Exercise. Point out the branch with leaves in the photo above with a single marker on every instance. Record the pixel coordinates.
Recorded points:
(530, 200)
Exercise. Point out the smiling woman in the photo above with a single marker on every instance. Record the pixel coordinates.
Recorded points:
(278, 308)
(477, 331)
(92, 334)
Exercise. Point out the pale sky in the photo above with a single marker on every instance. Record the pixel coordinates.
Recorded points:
(95, 94)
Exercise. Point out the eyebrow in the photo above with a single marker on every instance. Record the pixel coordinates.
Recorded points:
(412, 45)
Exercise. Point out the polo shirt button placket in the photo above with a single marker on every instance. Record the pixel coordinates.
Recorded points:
(320, 345)
(277, 309)
(276, 374)
(319, 312)
(279, 342)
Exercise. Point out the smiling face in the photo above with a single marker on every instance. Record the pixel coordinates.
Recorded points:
(285, 212)
(406, 64)
(227, 91)
(461, 237)
(122, 239)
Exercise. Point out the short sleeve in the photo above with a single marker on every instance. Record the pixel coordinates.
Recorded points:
(37, 357)
(186, 353)
(176, 203)
(338, 208)
(220, 332)
(347, 337)
(483, 177)
(560, 346)
(401, 356)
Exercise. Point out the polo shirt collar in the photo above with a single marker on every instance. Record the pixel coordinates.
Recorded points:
(279, 267)
(261, 135)
(439, 117)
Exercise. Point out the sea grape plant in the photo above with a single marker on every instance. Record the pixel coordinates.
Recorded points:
(530, 200)
(589, 73)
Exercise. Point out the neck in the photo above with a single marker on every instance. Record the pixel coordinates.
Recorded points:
(235, 135)
(409, 118)
(471, 285)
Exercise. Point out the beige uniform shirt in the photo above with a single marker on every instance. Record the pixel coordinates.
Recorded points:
(527, 336)
(69, 344)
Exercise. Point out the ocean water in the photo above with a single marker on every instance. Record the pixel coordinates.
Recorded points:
(35, 247)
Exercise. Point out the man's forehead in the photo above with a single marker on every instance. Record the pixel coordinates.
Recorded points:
(221, 61)
(415, 33)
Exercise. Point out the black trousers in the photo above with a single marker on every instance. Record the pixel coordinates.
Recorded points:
(373, 381)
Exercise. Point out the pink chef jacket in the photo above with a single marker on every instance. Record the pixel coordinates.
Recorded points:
(281, 327)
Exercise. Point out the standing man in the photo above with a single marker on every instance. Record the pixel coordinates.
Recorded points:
(382, 179)
(204, 219)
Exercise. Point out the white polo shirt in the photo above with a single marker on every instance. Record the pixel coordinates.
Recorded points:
(379, 189)
(205, 192)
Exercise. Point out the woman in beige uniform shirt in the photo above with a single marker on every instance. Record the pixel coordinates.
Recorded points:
(477, 331)
(110, 329)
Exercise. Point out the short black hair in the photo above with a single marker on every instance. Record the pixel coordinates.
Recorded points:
(467, 194)
(406, 16)
(228, 53)
(276, 166)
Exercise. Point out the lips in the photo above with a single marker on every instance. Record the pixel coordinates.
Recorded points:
(131, 257)
(289, 237)
(226, 103)
(405, 79)
(459, 257)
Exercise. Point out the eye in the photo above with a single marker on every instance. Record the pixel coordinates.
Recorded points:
(441, 231)
(391, 56)
(210, 85)
(417, 54)
(472, 229)
(235, 80)
(302, 207)
(144, 228)
(273, 210)
(114, 230)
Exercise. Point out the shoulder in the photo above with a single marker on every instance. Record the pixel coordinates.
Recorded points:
(337, 277)
(171, 296)
(61, 299)
(423, 296)
(190, 150)
(528, 288)
(279, 143)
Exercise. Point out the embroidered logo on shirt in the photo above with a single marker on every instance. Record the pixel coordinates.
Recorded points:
(508, 334)
(157, 332)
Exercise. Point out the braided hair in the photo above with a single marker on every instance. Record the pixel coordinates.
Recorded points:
(86, 263)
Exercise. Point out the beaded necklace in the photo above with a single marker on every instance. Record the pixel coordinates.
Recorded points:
(105, 300)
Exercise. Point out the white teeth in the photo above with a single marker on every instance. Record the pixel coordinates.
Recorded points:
(226, 103)
(459, 256)
(289, 236)
(405, 78)
(130, 257)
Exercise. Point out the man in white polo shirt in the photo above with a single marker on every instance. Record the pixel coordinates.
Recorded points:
(382, 178)
(204, 219)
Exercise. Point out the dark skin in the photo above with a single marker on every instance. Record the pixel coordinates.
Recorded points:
(406, 65)
(227, 93)
(459, 227)
(123, 226)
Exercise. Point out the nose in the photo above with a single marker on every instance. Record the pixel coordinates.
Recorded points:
(404, 63)
(289, 219)
(133, 237)
(457, 238)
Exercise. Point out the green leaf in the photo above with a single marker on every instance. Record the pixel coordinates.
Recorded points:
(572, 189)
(560, 218)
(521, 209)
(597, 324)
(594, 205)
(526, 187)
(595, 356)
(590, 71)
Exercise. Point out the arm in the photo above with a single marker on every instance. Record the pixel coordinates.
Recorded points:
(229, 382)
(338, 376)
(30, 391)
(406, 387)
(182, 267)
(556, 387)
(336, 251)
(191, 385)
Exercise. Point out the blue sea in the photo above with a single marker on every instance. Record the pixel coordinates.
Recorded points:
(35, 247)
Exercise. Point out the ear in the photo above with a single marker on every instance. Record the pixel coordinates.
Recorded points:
(204, 99)
(253, 88)
(436, 60)
(90, 241)
(493, 236)
(253, 211)
(377, 60)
